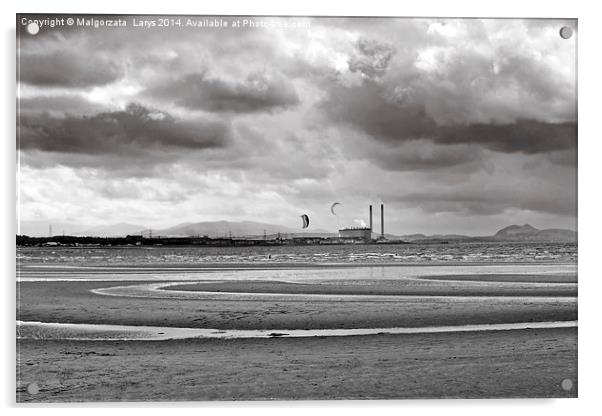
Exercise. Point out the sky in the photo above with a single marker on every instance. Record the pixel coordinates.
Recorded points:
(456, 125)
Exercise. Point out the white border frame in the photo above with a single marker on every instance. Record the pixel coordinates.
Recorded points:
(589, 224)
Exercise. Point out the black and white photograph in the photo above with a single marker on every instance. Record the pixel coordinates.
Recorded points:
(288, 208)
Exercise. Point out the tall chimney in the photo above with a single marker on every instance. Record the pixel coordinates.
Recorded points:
(370, 218)
(382, 220)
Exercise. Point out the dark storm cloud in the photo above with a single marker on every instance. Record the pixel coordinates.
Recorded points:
(144, 163)
(426, 157)
(136, 130)
(258, 92)
(68, 69)
(473, 202)
(367, 107)
(58, 105)
(525, 136)
(264, 160)
(394, 118)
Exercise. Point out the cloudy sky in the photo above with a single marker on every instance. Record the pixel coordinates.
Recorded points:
(457, 126)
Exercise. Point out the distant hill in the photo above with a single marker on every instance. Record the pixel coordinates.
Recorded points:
(514, 231)
(250, 229)
(419, 237)
(511, 233)
(529, 233)
(114, 230)
(186, 229)
(226, 228)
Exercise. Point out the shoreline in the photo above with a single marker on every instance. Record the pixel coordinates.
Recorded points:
(252, 265)
(103, 332)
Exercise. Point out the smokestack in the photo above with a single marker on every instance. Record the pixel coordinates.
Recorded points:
(370, 218)
(382, 220)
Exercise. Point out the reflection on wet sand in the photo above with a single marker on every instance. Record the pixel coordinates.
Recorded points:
(96, 332)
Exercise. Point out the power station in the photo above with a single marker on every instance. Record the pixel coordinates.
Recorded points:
(364, 233)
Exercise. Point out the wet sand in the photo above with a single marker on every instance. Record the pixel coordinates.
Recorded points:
(428, 286)
(525, 363)
(510, 278)
(508, 363)
(103, 332)
(73, 302)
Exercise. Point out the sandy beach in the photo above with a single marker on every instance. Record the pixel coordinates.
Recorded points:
(508, 363)
(530, 363)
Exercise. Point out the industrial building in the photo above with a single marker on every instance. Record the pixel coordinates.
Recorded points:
(356, 233)
(364, 233)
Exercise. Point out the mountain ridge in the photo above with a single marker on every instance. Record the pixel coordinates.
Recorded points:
(226, 228)
(518, 233)
(252, 229)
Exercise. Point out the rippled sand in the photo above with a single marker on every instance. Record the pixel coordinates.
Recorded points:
(497, 324)
(520, 363)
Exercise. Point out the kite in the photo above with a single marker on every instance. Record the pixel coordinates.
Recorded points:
(305, 219)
